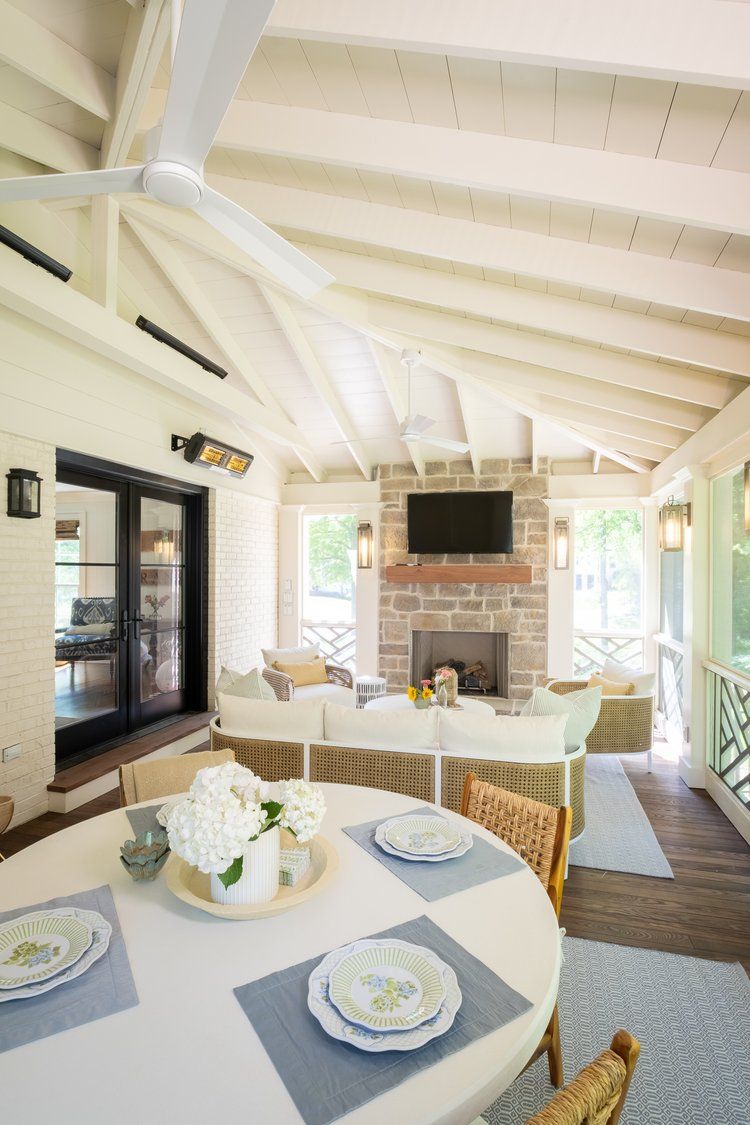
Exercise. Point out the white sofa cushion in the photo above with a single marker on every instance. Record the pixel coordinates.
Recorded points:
(249, 686)
(385, 730)
(291, 655)
(332, 693)
(508, 737)
(644, 683)
(580, 708)
(260, 718)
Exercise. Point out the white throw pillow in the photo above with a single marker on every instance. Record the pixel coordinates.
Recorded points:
(250, 686)
(385, 730)
(644, 683)
(332, 693)
(259, 718)
(580, 708)
(507, 737)
(290, 655)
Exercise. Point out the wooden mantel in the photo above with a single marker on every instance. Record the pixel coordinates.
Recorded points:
(510, 573)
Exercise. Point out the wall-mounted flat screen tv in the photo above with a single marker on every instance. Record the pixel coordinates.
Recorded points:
(460, 523)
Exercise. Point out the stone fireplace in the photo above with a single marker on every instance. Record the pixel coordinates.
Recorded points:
(430, 648)
(473, 610)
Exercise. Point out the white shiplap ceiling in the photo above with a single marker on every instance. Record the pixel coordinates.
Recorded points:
(553, 314)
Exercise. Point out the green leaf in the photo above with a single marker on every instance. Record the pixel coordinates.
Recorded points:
(232, 873)
(272, 809)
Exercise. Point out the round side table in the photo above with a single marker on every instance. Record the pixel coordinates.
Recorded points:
(369, 688)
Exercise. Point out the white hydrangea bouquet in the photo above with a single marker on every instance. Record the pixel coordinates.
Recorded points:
(229, 809)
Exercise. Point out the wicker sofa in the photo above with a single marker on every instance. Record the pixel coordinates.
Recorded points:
(338, 689)
(625, 724)
(431, 774)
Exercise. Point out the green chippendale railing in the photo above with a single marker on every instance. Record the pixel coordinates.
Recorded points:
(729, 749)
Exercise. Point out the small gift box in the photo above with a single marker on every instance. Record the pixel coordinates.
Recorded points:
(294, 864)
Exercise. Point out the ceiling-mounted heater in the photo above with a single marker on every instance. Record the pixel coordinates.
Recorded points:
(213, 454)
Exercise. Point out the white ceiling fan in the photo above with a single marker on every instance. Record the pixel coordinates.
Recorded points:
(212, 44)
(413, 428)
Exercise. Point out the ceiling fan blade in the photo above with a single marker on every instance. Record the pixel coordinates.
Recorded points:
(416, 424)
(447, 443)
(69, 184)
(291, 267)
(215, 44)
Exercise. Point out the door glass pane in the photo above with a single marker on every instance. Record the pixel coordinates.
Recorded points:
(730, 573)
(86, 608)
(161, 597)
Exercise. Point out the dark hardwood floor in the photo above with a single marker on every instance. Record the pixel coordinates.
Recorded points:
(703, 912)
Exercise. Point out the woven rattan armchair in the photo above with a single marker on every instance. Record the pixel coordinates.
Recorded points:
(6, 815)
(283, 685)
(597, 1095)
(625, 724)
(540, 835)
(163, 777)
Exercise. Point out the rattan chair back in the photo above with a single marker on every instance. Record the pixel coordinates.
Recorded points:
(163, 777)
(597, 1095)
(6, 815)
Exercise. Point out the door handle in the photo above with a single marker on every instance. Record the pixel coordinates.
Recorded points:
(137, 619)
(124, 622)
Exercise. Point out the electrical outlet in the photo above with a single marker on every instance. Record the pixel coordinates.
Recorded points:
(11, 752)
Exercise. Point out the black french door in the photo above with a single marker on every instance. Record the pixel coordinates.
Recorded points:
(129, 639)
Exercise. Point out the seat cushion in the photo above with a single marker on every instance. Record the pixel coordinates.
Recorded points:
(512, 738)
(297, 721)
(305, 673)
(332, 693)
(581, 710)
(290, 655)
(250, 685)
(384, 730)
(644, 683)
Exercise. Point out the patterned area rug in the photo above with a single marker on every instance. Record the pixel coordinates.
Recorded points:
(692, 1018)
(618, 835)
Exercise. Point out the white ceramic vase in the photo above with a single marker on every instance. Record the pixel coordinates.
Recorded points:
(259, 881)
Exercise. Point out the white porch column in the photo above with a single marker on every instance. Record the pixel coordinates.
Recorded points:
(692, 763)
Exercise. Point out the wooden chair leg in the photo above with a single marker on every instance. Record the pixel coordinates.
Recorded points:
(554, 1052)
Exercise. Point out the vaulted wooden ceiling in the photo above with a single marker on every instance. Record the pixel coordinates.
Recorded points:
(551, 201)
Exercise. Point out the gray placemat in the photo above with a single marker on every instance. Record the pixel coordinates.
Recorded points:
(105, 988)
(326, 1078)
(144, 819)
(432, 881)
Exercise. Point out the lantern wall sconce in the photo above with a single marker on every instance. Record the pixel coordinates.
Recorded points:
(674, 519)
(561, 543)
(24, 494)
(364, 545)
(747, 496)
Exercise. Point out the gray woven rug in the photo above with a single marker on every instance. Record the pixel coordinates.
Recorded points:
(692, 1018)
(618, 835)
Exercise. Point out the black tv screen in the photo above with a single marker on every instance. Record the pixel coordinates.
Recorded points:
(460, 523)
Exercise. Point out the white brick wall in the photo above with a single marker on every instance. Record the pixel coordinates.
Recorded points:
(242, 581)
(27, 629)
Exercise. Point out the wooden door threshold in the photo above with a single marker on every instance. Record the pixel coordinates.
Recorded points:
(72, 787)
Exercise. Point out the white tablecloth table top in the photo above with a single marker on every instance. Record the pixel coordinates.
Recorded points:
(188, 1053)
(403, 703)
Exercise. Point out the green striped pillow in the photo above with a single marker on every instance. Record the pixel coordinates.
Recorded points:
(581, 709)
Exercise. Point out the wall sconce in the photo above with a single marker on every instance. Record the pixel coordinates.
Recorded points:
(24, 494)
(673, 518)
(747, 496)
(364, 545)
(561, 543)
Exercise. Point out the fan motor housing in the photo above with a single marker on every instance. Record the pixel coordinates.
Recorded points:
(171, 183)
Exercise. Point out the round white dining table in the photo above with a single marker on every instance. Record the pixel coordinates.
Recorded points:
(187, 1053)
(403, 703)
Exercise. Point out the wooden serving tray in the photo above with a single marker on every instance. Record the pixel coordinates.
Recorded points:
(193, 887)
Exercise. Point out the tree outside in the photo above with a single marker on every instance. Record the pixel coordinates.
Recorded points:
(608, 569)
(330, 554)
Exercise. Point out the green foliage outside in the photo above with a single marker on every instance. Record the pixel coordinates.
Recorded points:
(330, 541)
(609, 561)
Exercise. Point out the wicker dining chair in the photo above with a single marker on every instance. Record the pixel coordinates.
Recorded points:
(541, 835)
(163, 777)
(597, 1095)
(6, 815)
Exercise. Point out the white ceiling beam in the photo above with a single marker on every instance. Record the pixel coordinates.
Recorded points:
(635, 185)
(179, 276)
(391, 374)
(464, 410)
(27, 46)
(730, 426)
(645, 277)
(615, 422)
(650, 335)
(701, 42)
(32, 293)
(636, 447)
(596, 464)
(105, 237)
(311, 365)
(23, 134)
(541, 362)
(145, 37)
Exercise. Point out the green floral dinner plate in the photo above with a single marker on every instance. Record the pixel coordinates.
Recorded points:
(422, 835)
(387, 985)
(36, 946)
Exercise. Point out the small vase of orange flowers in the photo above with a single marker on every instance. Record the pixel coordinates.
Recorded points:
(422, 696)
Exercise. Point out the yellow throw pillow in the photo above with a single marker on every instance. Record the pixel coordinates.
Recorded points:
(609, 687)
(311, 672)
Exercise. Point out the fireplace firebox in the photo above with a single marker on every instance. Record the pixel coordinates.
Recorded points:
(484, 656)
